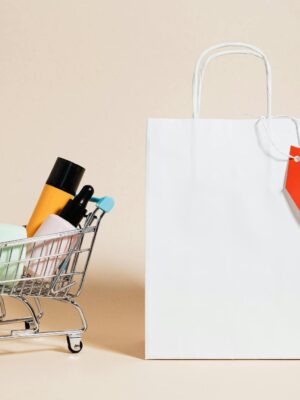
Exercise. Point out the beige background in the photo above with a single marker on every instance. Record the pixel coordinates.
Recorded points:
(79, 79)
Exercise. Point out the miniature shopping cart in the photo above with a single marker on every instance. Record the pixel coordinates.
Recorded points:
(52, 267)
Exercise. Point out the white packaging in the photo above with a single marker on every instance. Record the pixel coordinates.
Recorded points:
(222, 242)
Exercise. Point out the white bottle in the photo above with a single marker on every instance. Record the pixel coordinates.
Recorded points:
(47, 255)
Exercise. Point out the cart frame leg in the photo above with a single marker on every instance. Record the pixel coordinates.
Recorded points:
(2, 309)
(32, 321)
(73, 336)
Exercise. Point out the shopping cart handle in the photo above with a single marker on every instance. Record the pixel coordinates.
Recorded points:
(105, 204)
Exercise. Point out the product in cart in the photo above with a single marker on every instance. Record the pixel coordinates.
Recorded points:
(60, 187)
(67, 220)
(10, 267)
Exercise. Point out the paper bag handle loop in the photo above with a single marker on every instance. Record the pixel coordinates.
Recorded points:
(267, 124)
(205, 58)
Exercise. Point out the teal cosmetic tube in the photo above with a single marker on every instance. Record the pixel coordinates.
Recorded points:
(10, 270)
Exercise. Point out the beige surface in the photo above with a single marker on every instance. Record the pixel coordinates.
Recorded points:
(79, 79)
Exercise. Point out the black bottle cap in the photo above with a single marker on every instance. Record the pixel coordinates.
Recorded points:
(74, 210)
(65, 175)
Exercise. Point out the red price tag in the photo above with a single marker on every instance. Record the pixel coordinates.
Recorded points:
(292, 182)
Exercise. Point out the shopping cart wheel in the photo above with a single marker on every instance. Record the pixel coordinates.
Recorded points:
(29, 325)
(74, 344)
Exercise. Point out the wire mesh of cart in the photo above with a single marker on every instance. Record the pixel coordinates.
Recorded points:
(53, 267)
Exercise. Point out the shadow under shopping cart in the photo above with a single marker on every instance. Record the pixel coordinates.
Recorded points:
(115, 314)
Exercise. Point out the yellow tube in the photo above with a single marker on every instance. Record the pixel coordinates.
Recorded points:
(51, 201)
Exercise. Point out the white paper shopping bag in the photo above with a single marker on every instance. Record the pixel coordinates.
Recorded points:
(222, 236)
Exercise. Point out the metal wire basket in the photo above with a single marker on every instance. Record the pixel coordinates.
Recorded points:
(52, 266)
